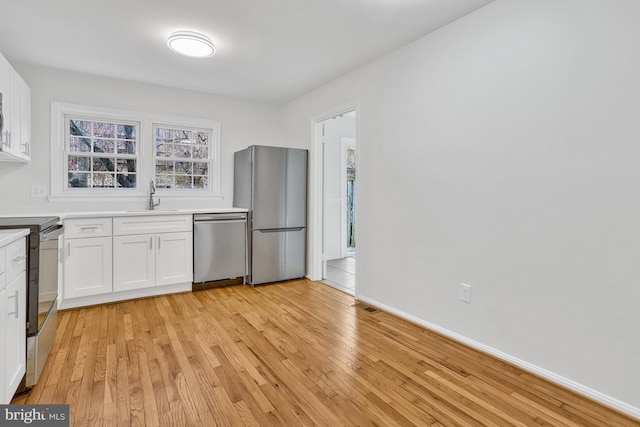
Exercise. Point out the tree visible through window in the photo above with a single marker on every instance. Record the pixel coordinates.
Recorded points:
(101, 154)
(351, 198)
(113, 154)
(182, 158)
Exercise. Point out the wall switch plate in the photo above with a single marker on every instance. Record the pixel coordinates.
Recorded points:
(465, 292)
(38, 190)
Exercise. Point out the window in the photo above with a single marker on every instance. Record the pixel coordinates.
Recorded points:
(182, 160)
(101, 152)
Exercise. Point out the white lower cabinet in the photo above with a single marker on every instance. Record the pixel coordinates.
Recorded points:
(134, 262)
(13, 318)
(112, 259)
(3, 331)
(88, 267)
(152, 260)
(174, 258)
(16, 338)
(3, 339)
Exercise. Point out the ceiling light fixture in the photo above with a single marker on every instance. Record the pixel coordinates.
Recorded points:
(191, 43)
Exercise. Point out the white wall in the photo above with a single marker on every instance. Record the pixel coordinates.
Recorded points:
(503, 151)
(242, 123)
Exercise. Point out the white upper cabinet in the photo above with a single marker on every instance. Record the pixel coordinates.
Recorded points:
(5, 106)
(25, 120)
(15, 135)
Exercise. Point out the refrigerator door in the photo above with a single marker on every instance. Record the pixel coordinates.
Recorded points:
(278, 255)
(279, 185)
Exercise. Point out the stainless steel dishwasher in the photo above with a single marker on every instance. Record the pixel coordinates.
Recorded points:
(219, 246)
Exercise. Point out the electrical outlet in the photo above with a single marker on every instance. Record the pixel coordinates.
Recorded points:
(38, 190)
(465, 292)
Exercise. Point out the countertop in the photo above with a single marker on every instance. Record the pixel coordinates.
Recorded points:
(10, 236)
(136, 212)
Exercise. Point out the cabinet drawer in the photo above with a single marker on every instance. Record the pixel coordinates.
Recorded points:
(151, 224)
(16, 259)
(87, 227)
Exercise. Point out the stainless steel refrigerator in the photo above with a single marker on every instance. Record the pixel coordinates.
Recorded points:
(272, 183)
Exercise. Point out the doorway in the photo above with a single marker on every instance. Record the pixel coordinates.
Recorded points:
(339, 200)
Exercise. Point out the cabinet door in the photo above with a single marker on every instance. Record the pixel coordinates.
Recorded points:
(3, 342)
(88, 267)
(174, 258)
(25, 120)
(16, 136)
(134, 262)
(16, 339)
(16, 109)
(5, 89)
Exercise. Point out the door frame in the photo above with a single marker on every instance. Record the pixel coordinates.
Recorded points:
(316, 236)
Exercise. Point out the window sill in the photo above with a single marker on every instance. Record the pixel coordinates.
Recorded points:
(129, 198)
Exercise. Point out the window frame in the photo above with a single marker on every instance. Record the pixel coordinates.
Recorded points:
(61, 112)
(94, 155)
(210, 159)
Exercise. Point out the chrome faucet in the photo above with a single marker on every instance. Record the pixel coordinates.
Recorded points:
(152, 191)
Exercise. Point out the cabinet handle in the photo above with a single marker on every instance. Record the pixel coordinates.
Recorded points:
(151, 242)
(16, 312)
(93, 227)
(19, 259)
(68, 249)
(17, 304)
(7, 138)
(159, 240)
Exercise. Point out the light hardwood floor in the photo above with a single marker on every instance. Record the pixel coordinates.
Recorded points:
(289, 354)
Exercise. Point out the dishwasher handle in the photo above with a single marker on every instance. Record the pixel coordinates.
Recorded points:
(221, 221)
(219, 217)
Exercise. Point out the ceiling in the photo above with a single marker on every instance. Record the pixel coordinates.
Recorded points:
(267, 50)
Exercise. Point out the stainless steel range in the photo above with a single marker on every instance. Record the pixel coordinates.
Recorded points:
(42, 289)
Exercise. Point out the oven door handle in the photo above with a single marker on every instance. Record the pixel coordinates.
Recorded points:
(52, 233)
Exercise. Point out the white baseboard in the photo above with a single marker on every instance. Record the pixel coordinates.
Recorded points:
(123, 295)
(572, 385)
